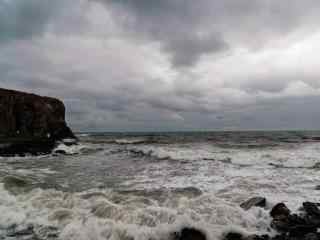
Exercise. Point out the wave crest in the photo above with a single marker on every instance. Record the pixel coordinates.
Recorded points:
(96, 214)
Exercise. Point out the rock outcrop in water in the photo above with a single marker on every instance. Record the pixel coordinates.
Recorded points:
(30, 123)
(254, 202)
(302, 226)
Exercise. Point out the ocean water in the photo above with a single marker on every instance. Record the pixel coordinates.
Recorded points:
(145, 186)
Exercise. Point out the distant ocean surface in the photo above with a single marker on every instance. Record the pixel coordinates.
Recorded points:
(142, 186)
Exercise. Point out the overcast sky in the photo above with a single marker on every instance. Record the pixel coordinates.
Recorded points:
(167, 64)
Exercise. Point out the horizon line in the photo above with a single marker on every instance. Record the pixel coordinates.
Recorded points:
(206, 130)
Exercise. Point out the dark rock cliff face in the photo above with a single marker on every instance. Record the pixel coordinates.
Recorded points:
(30, 123)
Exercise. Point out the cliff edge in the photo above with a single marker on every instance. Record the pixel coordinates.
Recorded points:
(30, 123)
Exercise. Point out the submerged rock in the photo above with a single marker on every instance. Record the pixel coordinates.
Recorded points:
(188, 191)
(317, 165)
(30, 124)
(16, 185)
(31, 232)
(14, 231)
(11, 181)
(46, 233)
(254, 202)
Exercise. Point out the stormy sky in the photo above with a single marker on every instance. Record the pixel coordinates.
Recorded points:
(152, 65)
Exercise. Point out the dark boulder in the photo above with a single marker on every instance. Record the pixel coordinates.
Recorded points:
(233, 236)
(311, 209)
(280, 210)
(312, 213)
(189, 234)
(238, 236)
(293, 225)
(30, 123)
(254, 202)
(257, 237)
(283, 223)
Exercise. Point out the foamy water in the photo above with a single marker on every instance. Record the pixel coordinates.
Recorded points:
(142, 187)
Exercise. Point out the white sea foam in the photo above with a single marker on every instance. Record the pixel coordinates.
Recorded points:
(72, 149)
(83, 134)
(132, 140)
(174, 152)
(107, 215)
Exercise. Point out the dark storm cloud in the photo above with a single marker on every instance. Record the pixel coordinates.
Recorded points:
(22, 19)
(187, 48)
(189, 29)
(178, 25)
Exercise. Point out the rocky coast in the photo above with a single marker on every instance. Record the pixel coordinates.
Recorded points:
(31, 124)
(285, 225)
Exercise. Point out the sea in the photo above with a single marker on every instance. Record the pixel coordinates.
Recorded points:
(146, 186)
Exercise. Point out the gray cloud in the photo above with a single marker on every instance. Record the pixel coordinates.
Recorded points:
(169, 64)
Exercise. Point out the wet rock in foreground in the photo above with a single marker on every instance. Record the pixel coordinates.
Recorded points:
(280, 210)
(189, 234)
(311, 209)
(233, 236)
(238, 236)
(303, 226)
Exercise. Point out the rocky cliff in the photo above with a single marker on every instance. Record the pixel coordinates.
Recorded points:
(30, 123)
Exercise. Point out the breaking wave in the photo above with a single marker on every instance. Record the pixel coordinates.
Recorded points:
(105, 214)
(76, 149)
(303, 156)
(123, 141)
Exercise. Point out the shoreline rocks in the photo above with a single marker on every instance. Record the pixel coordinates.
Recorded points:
(302, 226)
(31, 124)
